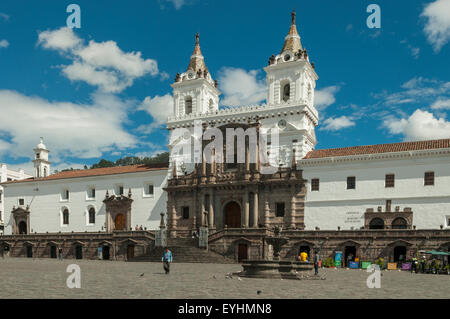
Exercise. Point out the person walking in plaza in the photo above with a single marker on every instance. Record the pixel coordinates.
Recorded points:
(414, 265)
(167, 259)
(60, 254)
(316, 262)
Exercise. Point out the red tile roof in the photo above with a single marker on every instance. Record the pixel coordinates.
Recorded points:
(97, 172)
(379, 148)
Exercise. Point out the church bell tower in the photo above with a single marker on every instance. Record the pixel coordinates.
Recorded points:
(41, 163)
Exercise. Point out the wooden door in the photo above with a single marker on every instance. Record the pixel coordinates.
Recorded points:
(119, 222)
(130, 252)
(233, 215)
(242, 252)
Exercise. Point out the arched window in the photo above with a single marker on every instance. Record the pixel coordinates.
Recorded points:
(309, 92)
(286, 92)
(188, 105)
(399, 223)
(92, 215)
(376, 223)
(38, 172)
(211, 105)
(65, 216)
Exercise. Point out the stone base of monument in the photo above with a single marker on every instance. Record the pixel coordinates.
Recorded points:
(275, 269)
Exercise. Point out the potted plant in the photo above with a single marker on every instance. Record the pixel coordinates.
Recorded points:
(380, 263)
(329, 263)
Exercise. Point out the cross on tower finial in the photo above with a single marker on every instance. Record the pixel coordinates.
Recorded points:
(197, 36)
(293, 17)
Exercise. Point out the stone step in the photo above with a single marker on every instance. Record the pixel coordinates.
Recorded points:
(186, 255)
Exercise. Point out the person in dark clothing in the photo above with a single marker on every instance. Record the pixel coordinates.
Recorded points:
(167, 259)
(316, 262)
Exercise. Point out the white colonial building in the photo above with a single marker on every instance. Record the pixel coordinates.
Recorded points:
(347, 188)
(401, 185)
(92, 200)
(7, 175)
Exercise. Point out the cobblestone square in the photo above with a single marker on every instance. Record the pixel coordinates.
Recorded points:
(46, 278)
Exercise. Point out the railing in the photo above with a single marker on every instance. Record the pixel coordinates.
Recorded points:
(242, 109)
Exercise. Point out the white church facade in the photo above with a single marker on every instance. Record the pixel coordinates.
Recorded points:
(74, 201)
(370, 201)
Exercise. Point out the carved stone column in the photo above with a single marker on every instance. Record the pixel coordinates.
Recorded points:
(173, 213)
(211, 211)
(203, 209)
(292, 215)
(266, 211)
(246, 209)
(255, 209)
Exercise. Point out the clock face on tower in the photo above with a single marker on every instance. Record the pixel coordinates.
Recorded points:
(282, 124)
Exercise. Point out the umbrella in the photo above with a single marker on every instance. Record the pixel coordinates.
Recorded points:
(439, 253)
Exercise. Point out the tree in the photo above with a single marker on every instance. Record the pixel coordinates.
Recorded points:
(161, 158)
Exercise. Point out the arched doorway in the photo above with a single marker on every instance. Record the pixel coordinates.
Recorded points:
(22, 227)
(119, 222)
(399, 253)
(29, 251)
(78, 252)
(399, 223)
(349, 254)
(307, 250)
(105, 252)
(52, 251)
(130, 252)
(232, 213)
(242, 252)
(376, 223)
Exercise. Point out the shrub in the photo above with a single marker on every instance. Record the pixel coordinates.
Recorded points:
(380, 262)
(329, 262)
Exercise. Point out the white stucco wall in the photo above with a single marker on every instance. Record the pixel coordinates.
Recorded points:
(46, 206)
(333, 204)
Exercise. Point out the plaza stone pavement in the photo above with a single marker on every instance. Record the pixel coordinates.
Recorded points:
(46, 278)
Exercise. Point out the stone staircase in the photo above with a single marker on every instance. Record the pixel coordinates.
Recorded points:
(185, 250)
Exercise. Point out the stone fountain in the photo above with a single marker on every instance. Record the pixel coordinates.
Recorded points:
(274, 267)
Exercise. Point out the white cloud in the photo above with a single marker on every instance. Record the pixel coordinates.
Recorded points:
(325, 97)
(417, 89)
(159, 107)
(338, 123)
(4, 43)
(177, 3)
(421, 125)
(69, 129)
(437, 27)
(62, 39)
(241, 87)
(441, 104)
(4, 16)
(101, 64)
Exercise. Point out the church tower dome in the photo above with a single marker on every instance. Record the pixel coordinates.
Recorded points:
(195, 91)
(41, 162)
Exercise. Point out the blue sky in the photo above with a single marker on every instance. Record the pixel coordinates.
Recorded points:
(103, 91)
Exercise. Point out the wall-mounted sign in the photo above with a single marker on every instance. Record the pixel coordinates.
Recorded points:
(355, 218)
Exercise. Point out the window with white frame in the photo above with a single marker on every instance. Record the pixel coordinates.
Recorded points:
(91, 216)
(148, 190)
(118, 189)
(65, 217)
(91, 193)
(65, 195)
(21, 201)
(447, 219)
